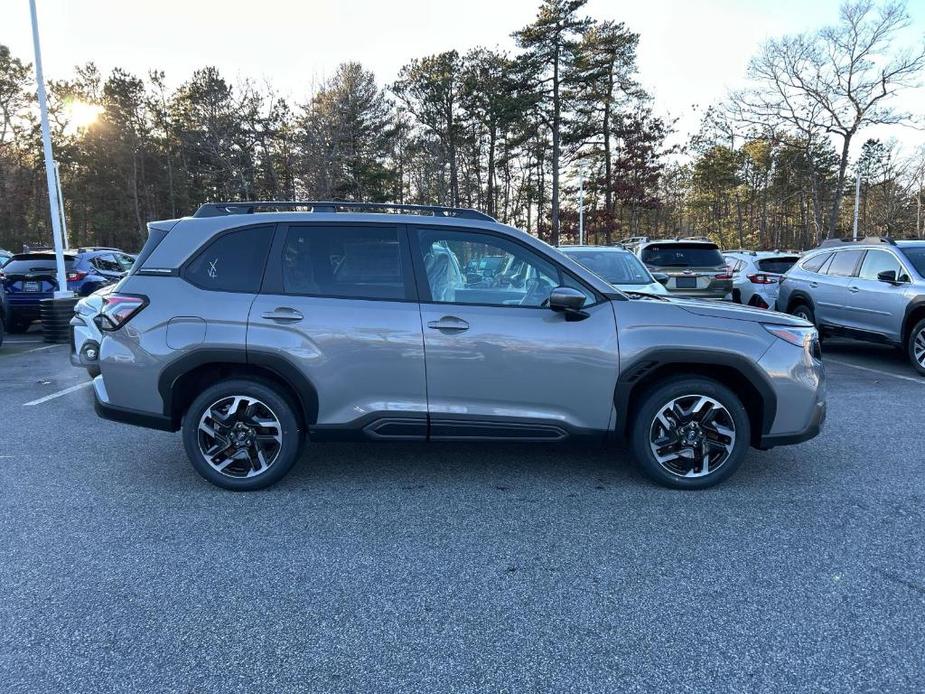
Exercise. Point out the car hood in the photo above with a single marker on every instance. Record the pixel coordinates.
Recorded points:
(717, 309)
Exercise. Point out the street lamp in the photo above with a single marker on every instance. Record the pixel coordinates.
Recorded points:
(55, 315)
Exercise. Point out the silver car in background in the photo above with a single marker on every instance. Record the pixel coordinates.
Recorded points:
(756, 275)
(871, 290)
(694, 266)
(85, 333)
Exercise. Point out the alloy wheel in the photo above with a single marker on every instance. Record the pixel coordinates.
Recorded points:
(240, 436)
(692, 436)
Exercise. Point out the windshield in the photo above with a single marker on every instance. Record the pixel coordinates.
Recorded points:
(916, 256)
(616, 267)
(682, 255)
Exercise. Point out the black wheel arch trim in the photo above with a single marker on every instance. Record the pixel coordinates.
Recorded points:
(800, 296)
(652, 359)
(913, 306)
(271, 361)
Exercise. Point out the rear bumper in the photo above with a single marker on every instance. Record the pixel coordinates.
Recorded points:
(107, 410)
(83, 335)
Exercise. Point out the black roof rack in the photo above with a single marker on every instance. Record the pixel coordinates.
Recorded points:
(220, 209)
(867, 239)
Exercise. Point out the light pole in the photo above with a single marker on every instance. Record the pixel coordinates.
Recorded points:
(581, 208)
(53, 200)
(857, 201)
(67, 243)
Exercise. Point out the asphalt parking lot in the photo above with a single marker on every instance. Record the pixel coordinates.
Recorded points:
(458, 568)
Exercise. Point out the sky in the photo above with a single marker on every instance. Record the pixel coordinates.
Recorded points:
(691, 51)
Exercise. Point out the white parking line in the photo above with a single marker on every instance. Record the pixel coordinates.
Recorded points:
(39, 349)
(57, 395)
(874, 371)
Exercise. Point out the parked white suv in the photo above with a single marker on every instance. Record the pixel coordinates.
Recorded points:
(756, 275)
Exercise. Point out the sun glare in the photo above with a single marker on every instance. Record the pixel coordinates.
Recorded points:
(81, 115)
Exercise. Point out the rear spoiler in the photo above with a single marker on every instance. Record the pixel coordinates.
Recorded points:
(156, 233)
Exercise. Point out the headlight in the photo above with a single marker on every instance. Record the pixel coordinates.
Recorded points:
(800, 337)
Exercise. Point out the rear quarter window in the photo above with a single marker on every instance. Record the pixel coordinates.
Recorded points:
(814, 262)
(233, 262)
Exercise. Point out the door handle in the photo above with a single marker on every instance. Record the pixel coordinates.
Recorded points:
(283, 314)
(813, 284)
(854, 290)
(449, 323)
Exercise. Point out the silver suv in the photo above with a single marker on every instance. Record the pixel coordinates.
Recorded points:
(694, 266)
(871, 290)
(255, 327)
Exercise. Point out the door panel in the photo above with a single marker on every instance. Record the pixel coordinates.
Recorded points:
(521, 364)
(338, 303)
(500, 364)
(363, 357)
(831, 294)
(875, 306)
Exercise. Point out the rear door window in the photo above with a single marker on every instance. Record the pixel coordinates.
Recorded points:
(233, 262)
(106, 263)
(844, 263)
(342, 261)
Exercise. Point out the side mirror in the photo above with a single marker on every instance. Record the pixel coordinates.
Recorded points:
(568, 301)
(888, 276)
(661, 278)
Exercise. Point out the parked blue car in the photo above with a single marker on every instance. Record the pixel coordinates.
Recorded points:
(30, 277)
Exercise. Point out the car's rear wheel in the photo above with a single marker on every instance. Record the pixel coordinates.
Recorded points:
(691, 433)
(242, 434)
(805, 312)
(916, 346)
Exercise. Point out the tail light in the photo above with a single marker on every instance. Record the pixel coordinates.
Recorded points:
(762, 279)
(76, 275)
(723, 276)
(119, 309)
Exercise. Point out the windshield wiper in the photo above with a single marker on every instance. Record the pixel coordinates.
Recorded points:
(645, 294)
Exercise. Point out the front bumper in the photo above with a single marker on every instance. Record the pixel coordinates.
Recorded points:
(811, 431)
(798, 380)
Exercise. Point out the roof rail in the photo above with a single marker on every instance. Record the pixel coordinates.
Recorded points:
(220, 209)
(848, 240)
(629, 240)
(693, 238)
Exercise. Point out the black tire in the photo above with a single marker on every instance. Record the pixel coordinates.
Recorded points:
(804, 311)
(646, 426)
(17, 326)
(94, 371)
(2, 330)
(917, 341)
(278, 405)
(736, 296)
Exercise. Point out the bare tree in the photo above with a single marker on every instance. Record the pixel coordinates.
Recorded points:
(835, 81)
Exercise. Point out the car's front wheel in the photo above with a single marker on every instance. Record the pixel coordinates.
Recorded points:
(690, 433)
(916, 346)
(242, 434)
